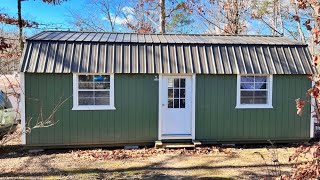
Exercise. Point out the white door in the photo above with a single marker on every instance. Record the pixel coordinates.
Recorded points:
(176, 107)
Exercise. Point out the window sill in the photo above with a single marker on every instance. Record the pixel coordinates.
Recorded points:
(254, 107)
(89, 108)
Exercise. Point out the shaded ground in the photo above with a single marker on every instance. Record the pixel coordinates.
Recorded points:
(68, 164)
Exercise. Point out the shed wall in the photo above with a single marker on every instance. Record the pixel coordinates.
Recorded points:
(135, 119)
(218, 120)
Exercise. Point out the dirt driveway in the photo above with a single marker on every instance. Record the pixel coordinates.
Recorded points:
(218, 163)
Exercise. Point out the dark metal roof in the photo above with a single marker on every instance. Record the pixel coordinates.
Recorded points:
(96, 52)
(160, 38)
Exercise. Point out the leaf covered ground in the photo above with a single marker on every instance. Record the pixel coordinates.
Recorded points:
(146, 163)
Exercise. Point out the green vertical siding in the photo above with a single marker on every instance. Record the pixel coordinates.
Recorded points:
(135, 119)
(217, 119)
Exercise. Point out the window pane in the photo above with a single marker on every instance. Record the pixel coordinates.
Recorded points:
(182, 93)
(102, 85)
(86, 101)
(85, 85)
(170, 103)
(182, 83)
(260, 100)
(247, 78)
(182, 103)
(247, 93)
(102, 101)
(176, 93)
(247, 86)
(260, 79)
(259, 94)
(260, 86)
(247, 97)
(101, 78)
(85, 94)
(170, 93)
(85, 78)
(176, 83)
(176, 103)
(246, 100)
(170, 82)
(104, 94)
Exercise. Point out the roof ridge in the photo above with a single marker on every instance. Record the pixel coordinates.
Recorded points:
(211, 34)
(121, 37)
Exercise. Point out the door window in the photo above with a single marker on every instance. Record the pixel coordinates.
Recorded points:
(176, 92)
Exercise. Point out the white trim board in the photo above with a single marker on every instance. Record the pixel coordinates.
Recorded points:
(255, 106)
(312, 120)
(193, 132)
(23, 108)
(92, 107)
(159, 108)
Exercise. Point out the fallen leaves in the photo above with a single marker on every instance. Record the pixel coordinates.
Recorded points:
(147, 152)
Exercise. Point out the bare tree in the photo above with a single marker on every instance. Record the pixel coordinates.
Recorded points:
(98, 15)
(224, 16)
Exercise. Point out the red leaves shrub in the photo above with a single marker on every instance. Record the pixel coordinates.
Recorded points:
(310, 168)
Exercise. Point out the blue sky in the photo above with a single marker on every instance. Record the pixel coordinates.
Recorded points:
(38, 11)
(59, 16)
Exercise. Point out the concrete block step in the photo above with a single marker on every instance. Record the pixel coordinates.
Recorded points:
(177, 145)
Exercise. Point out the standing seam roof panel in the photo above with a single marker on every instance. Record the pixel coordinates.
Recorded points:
(53, 52)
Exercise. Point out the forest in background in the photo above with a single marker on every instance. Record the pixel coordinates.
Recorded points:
(290, 18)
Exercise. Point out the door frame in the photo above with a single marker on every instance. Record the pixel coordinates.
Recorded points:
(193, 107)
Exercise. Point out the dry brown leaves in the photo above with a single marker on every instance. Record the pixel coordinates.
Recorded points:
(147, 152)
(309, 169)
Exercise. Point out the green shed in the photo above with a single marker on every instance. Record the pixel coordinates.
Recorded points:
(134, 89)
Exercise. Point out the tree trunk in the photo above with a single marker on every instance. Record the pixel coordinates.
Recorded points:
(20, 25)
(275, 17)
(302, 37)
(237, 17)
(162, 26)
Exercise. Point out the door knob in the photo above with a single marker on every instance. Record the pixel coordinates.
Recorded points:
(163, 104)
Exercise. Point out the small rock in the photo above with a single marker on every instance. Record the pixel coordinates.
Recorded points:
(32, 151)
(12, 153)
(131, 147)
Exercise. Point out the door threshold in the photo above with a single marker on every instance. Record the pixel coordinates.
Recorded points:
(176, 136)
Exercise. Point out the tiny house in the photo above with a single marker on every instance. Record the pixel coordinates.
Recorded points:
(127, 88)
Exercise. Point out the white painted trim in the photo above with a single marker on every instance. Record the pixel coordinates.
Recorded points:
(193, 128)
(23, 108)
(311, 115)
(193, 108)
(92, 107)
(159, 109)
(255, 106)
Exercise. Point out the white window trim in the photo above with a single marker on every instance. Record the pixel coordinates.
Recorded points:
(255, 106)
(92, 107)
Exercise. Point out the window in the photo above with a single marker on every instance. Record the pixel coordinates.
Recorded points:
(176, 93)
(93, 92)
(254, 91)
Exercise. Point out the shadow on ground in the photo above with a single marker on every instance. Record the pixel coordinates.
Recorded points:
(152, 170)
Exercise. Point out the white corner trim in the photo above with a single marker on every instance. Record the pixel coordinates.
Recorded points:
(75, 86)
(255, 106)
(159, 109)
(193, 132)
(23, 109)
(311, 115)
